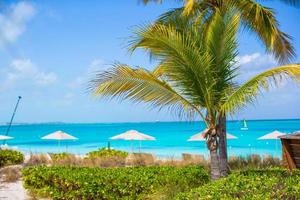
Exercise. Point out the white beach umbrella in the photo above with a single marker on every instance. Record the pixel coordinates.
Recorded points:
(272, 136)
(59, 135)
(230, 136)
(199, 136)
(4, 137)
(133, 135)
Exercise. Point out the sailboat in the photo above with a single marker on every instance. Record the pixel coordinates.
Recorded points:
(245, 127)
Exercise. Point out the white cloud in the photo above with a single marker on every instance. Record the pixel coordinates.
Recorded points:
(13, 21)
(43, 78)
(24, 72)
(252, 64)
(256, 61)
(81, 81)
(247, 58)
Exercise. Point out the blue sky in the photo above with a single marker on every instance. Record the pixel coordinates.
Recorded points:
(49, 50)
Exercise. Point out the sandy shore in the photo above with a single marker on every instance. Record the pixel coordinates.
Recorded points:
(13, 191)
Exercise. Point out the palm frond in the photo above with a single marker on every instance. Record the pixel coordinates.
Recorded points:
(221, 42)
(255, 17)
(248, 92)
(189, 6)
(261, 20)
(181, 52)
(198, 62)
(140, 85)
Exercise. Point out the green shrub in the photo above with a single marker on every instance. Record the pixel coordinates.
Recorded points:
(60, 156)
(105, 153)
(10, 157)
(60, 182)
(252, 184)
(106, 158)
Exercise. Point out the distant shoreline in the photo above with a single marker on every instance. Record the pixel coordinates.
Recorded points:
(49, 123)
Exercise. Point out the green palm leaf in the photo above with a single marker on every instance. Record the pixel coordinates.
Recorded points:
(181, 56)
(248, 92)
(254, 17)
(140, 85)
(261, 20)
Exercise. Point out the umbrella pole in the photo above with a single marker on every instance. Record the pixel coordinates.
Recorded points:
(131, 146)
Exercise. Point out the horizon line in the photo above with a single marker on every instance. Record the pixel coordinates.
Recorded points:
(158, 121)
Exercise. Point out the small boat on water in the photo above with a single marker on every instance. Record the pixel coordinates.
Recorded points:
(245, 127)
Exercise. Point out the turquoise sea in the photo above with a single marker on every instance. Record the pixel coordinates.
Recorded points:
(171, 137)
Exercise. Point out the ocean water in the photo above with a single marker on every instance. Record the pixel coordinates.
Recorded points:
(171, 137)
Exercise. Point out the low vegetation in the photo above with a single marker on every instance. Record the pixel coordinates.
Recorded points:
(10, 157)
(59, 182)
(162, 182)
(253, 162)
(106, 158)
(250, 184)
(115, 158)
(66, 159)
(102, 175)
(105, 153)
(60, 156)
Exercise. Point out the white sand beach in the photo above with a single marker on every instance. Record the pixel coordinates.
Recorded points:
(13, 191)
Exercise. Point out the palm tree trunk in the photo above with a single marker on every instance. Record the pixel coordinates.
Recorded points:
(214, 164)
(221, 130)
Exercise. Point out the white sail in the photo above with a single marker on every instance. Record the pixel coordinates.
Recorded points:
(245, 127)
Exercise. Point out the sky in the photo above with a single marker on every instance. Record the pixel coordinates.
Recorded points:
(50, 49)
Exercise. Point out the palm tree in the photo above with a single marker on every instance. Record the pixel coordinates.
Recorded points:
(195, 76)
(254, 17)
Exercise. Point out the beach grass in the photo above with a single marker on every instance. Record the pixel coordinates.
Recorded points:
(10, 174)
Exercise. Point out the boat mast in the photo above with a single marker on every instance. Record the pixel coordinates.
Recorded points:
(13, 115)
